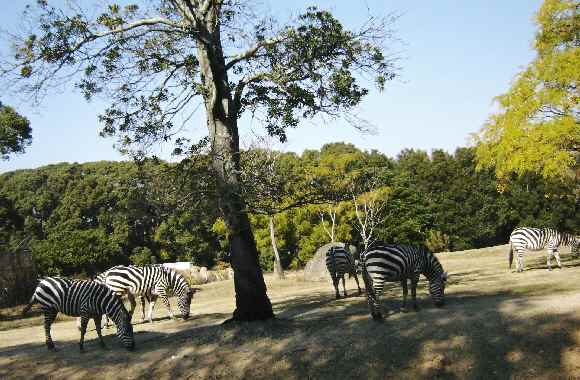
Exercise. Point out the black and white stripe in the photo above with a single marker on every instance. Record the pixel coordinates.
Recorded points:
(340, 262)
(149, 282)
(535, 239)
(84, 299)
(393, 263)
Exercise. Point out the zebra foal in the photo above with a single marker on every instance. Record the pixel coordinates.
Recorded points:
(535, 239)
(340, 262)
(84, 299)
(397, 263)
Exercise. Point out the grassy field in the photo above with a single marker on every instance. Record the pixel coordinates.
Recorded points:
(496, 324)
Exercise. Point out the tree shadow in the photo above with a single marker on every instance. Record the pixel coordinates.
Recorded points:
(567, 260)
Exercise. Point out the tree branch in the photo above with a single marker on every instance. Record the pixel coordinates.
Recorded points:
(253, 50)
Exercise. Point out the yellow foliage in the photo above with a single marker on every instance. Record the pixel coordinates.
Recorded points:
(537, 128)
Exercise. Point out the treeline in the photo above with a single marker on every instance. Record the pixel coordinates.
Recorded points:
(83, 218)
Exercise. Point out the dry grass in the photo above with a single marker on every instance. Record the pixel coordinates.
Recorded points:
(496, 324)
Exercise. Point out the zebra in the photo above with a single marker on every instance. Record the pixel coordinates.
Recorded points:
(340, 262)
(535, 239)
(393, 262)
(101, 278)
(149, 282)
(87, 299)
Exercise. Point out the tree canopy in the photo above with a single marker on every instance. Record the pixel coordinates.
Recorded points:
(15, 132)
(537, 128)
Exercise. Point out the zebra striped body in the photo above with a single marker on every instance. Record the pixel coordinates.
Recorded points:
(149, 282)
(85, 299)
(340, 262)
(101, 278)
(535, 239)
(398, 263)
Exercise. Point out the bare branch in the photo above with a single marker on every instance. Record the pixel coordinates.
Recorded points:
(251, 52)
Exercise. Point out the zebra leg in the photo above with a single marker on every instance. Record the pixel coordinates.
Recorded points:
(84, 323)
(131, 298)
(49, 317)
(414, 282)
(405, 292)
(548, 260)
(557, 255)
(142, 299)
(520, 261)
(335, 281)
(107, 323)
(165, 300)
(151, 306)
(357, 284)
(97, 320)
(344, 286)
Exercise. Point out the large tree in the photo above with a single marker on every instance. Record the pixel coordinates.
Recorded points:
(15, 132)
(153, 59)
(537, 128)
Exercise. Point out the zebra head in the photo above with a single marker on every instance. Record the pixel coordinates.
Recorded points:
(184, 302)
(437, 289)
(122, 320)
(181, 290)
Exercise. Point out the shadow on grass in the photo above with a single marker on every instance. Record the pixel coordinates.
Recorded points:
(568, 261)
(316, 336)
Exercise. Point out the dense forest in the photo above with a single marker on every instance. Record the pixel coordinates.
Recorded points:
(82, 218)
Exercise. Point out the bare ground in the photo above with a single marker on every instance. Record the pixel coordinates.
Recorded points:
(496, 324)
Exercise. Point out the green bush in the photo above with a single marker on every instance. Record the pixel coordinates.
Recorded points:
(141, 256)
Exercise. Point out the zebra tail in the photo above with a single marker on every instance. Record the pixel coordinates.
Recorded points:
(29, 306)
(511, 255)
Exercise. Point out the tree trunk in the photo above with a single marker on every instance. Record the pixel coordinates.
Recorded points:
(252, 302)
(278, 271)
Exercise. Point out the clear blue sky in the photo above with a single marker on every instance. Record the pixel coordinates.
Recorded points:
(456, 56)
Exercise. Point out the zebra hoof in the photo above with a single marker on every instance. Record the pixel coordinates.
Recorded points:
(378, 317)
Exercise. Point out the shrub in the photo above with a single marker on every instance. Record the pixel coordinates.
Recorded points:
(437, 241)
(141, 256)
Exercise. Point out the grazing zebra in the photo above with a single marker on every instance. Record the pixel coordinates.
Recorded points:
(86, 299)
(340, 262)
(535, 239)
(149, 282)
(388, 262)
